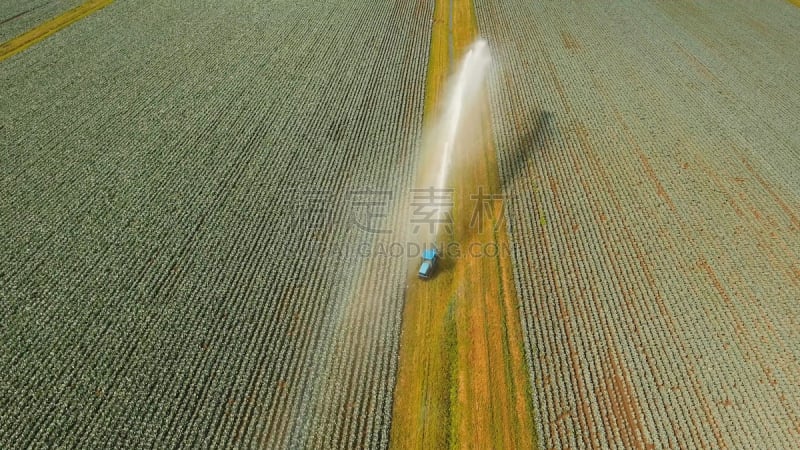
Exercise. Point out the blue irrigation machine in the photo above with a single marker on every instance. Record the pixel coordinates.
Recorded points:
(429, 258)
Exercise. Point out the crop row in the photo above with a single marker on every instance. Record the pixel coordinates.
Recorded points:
(654, 222)
(18, 17)
(153, 291)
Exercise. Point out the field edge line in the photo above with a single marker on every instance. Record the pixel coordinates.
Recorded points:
(52, 26)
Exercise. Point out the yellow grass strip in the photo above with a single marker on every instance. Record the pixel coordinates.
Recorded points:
(794, 2)
(50, 27)
(438, 59)
(421, 411)
(462, 378)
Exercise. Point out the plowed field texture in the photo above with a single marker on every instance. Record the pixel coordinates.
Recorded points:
(204, 210)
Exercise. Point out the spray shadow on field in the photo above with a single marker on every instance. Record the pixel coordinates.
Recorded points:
(538, 128)
(537, 132)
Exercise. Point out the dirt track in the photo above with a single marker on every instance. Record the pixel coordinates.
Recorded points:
(462, 379)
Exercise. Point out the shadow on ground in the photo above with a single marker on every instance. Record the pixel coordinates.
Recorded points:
(533, 134)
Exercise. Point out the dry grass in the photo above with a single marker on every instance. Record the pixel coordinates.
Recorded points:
(462, 378)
